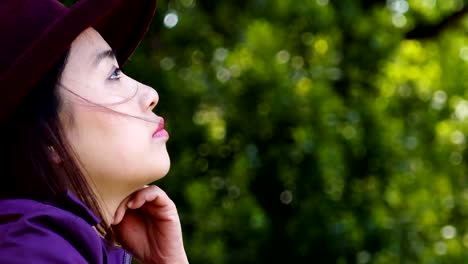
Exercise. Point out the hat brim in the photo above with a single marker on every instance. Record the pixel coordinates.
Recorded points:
(122, 23)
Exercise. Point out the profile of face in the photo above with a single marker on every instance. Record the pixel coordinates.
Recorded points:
(108, 119)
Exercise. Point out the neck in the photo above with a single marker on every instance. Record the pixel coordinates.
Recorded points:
(110, 200)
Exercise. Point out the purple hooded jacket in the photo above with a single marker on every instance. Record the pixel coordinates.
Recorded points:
(34, 232)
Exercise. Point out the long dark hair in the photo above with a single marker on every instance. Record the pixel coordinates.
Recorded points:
(30, 137)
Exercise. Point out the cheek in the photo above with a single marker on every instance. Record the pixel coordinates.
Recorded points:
(117, 151)
(117, 148)
(97, 139)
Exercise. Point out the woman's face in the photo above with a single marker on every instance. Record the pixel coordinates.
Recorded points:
(119, 153)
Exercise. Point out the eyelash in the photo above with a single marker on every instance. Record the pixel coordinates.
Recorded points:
(115, 76)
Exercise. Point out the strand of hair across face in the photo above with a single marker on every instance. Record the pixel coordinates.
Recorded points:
(106, 106)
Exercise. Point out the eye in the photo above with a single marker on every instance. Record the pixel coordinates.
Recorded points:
(116, 73)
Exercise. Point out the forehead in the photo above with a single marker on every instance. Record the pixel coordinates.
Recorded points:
(87, 45)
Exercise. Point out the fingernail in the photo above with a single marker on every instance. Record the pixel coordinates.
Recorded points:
(130, 204)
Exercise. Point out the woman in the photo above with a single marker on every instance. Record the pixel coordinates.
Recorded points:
(80, 138)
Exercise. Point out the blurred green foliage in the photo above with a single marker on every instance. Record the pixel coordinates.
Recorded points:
(314, 131)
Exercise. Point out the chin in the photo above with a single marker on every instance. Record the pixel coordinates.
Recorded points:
(161, 169)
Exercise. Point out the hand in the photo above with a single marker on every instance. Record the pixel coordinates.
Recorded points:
(147, 224)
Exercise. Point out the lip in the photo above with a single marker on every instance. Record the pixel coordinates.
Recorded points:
(160, 132)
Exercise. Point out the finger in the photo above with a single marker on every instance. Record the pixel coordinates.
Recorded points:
(152, 200)
(158, 204)
(120, 212)
(165, 213)
(162, 199)
(118, 215)
(143, 196)
(123, 206)
(154, 195)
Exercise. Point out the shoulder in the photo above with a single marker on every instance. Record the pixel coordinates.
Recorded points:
(34, 232)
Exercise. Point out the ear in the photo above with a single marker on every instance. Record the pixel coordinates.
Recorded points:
(54, 155)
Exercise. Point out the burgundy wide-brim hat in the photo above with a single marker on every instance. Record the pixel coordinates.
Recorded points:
(34, 34)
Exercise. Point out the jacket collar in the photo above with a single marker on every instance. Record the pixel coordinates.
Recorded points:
(69, 202)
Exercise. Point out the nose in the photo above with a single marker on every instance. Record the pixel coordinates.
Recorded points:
(151, 98)
(154, 99)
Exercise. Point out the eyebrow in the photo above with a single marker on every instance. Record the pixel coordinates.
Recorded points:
(107, 54)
